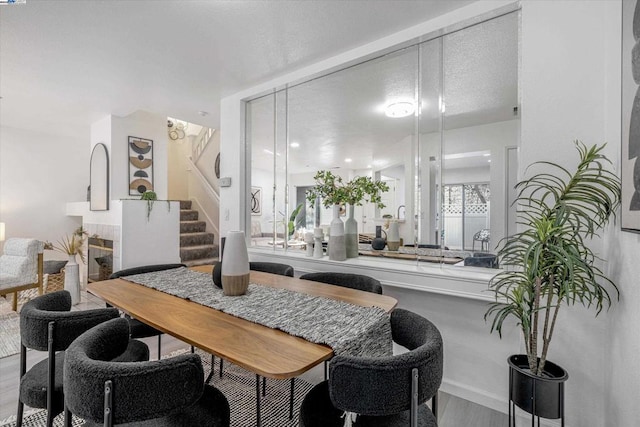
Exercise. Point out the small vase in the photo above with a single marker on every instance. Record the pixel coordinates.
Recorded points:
(308, 240)
(337, 248)
(378, 242)
(351, 234)
(393, 236)
(72, 279)
(318, 235)
(235, 265)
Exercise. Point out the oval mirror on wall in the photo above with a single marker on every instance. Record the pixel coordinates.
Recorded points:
(99, 178)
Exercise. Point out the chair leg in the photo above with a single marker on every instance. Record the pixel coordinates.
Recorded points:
(213, 364)
(434, 405)
(20, 412)
(293, 384)
(159, 346)
(51, 375)
(23, 369)
(221, 366)
(67, 417)
(14, 304)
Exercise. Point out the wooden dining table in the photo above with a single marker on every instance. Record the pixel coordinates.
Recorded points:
(267, 352)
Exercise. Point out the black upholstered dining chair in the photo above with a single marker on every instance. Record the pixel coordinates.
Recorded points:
(384, 391)
(347, 280)
(47, 324)
(167, 392)
(140, 329)
(266, 267)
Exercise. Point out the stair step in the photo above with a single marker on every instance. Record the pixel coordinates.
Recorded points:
(198, 252)
(202, 261)
(185, 204)
(188, 215)
(196, 239)
(192, 226)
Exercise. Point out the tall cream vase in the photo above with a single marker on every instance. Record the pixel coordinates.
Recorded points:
(72, 279)
(235, 265)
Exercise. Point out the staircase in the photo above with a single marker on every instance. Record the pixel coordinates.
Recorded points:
(197, 247)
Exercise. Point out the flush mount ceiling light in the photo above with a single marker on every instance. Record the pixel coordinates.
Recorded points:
(348, 160)
(294, 145)
(399, 109)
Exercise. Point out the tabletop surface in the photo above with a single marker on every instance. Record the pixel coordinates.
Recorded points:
(265, 351)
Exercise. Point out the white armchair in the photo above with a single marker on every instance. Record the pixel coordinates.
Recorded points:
(21, 267)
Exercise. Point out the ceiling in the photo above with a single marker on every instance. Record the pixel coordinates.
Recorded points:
(65, 63)
(338, 120)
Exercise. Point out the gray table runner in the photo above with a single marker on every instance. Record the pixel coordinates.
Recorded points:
(348, 329)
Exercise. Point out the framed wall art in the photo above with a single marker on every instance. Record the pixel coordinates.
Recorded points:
(140, 165)
(256, 201)
(630, 158)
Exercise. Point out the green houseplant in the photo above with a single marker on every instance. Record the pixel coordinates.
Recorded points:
(333, 191)
(549, 263)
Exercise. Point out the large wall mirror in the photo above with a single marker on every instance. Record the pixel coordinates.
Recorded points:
(437, 120)
(99, 172)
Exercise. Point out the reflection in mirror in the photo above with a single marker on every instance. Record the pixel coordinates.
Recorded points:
(448, 159)
(480, 71)
(99, 175)
(340, 123)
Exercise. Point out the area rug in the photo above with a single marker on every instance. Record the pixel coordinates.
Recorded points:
(238, 385)
(9, 330)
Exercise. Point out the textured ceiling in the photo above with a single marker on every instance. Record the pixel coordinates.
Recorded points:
(66, 63)
(341, 116)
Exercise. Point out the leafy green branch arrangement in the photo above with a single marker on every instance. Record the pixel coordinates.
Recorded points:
(549, 263)
(332, 190)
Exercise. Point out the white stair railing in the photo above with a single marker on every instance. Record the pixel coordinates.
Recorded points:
(200, 142)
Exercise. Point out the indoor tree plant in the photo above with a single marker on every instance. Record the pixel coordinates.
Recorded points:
(549, 264)
(334, 192)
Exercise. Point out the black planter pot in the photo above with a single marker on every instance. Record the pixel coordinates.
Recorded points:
(541, 396)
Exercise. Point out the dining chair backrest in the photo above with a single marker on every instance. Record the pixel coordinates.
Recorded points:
(37, 314)
(383, 385)
(139, 391)
(267, 267)
(347, 280)
(144, 269)
(272, 267)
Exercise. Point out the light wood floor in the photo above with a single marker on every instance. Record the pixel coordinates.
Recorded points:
(454, 412)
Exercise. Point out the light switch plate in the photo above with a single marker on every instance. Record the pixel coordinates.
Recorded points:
(225, 181)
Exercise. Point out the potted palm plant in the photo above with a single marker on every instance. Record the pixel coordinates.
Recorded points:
(333, 191)
(549, 264)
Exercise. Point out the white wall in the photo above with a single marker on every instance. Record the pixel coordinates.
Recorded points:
(571, 90)
(143, 125)
(177, 174)
(39, 174)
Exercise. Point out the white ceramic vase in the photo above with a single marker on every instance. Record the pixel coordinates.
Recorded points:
(337, 247)
(318, 235)
(393, 236)
(72, 279)
(235, 265)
